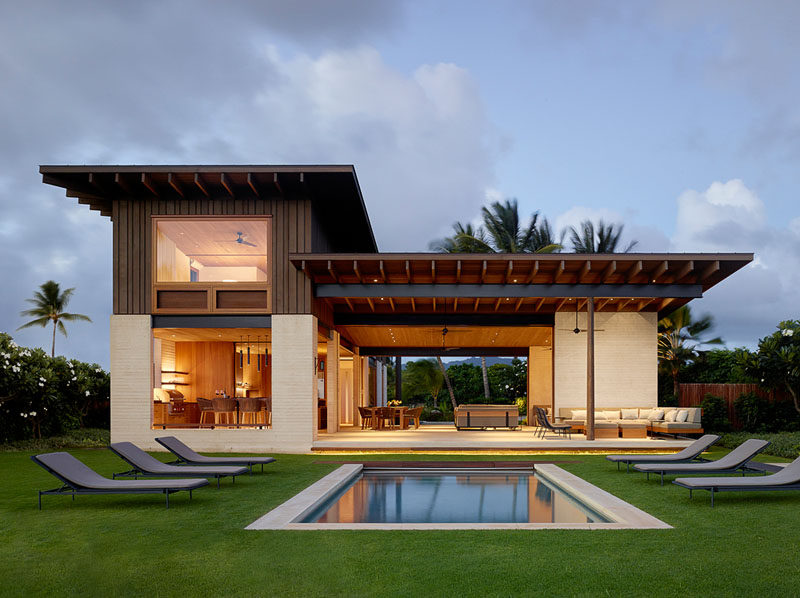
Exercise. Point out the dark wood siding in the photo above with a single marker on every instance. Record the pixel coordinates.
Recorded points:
(132, 220)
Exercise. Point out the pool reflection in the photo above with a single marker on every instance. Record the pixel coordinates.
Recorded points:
(446, 497)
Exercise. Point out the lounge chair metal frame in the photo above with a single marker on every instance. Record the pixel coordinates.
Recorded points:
(739, 467)
(190, 471)
(69, 488)
(713, 488)
(190, 457)
(705, 442)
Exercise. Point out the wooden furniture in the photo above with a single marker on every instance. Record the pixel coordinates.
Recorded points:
(367, 417)
(206, 410)
(224, 410)
(412, 415)
(249, 410)
(601, 429)
(632, 430)
(486, 416)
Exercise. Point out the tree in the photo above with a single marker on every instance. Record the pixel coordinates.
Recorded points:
(602, 239)
(49, 305)
(422, 377)
(447, 381)
(679, 337)
(501, 232)
(777, 362)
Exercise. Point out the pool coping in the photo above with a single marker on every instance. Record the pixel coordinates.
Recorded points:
(623, 515)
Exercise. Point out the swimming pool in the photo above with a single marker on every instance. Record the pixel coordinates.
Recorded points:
(451, 496)
(355, 498)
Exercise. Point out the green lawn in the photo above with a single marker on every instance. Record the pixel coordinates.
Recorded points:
(131, 545)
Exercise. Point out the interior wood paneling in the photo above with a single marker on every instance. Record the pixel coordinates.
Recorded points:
(214, 334)
(210, 365)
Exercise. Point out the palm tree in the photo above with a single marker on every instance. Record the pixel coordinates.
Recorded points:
(679, 337)
(603, 239)
(49, 304)
(502, 232)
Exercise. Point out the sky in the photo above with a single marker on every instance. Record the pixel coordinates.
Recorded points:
(678, 120)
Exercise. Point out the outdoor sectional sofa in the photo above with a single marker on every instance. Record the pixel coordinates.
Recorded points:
(637, 422)
(486, 416)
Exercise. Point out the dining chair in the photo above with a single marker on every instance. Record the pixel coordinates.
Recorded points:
(249, 409)
(366, 417)
(206, 410)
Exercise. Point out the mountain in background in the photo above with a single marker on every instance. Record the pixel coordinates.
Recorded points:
(448, 361)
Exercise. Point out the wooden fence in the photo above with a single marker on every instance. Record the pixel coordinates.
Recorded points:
(691, 395)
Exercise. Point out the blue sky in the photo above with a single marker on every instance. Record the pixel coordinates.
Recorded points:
(677, 119)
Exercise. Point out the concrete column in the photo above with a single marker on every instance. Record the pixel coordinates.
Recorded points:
(332, 381)
(294, 381)
(131, 377)
(590, 369)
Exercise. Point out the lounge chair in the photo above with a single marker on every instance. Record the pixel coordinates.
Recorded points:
(147, 465)
(786, 479)
(545, 425)
(687, 455)
(733, 462)
(188, 456)
(80, 479)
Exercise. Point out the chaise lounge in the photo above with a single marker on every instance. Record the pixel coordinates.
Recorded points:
(147, 465)
(80, 479)
(188, 456)
(786, 479)
(687, 455)
(734, 462)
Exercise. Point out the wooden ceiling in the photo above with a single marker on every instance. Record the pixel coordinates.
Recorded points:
(233, 335)
(457, 336)
(215, 242)
(536, 283)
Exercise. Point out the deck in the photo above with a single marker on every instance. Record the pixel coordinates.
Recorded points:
(444, 438)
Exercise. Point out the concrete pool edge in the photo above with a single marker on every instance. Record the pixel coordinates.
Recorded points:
(622, 514)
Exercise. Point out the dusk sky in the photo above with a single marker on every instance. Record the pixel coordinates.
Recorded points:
(678, 119)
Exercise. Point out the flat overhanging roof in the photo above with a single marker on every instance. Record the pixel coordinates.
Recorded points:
(333, 189)
(365, 286)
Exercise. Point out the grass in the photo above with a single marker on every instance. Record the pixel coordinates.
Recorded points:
(132, 545)
(783, 444)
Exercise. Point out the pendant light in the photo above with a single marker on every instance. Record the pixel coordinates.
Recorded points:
(248, 349)
(258, 353)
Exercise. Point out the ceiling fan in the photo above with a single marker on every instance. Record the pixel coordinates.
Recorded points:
(577, 329)
(241, 239)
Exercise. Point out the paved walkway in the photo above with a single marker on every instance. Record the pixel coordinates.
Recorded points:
(445, 438)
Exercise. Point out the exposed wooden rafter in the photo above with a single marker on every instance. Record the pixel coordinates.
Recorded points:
(609, 271)
(332, 272)
(226, 182)
(658, 271)
(147, 181)
(200, 184)
(559, 271)
(585, 269)
(172, 180)
(685, 270)
(534, 271)
(251, 182)
(634, 271)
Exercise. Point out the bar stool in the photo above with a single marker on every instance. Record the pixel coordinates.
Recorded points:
(224, 408)
(265, 415)
(249, 409)
(206, 410)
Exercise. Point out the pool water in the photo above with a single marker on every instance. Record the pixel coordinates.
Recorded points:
(450, 496)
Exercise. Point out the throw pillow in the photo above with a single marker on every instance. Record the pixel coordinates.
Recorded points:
(630, 414)
(656, 415)
(671, 415)
(599, 415)
(683, 415)
(579, 414)
(612, 415)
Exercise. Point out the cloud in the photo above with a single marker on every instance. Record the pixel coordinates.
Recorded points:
(250, 82)
(646, 237)
(730, 217)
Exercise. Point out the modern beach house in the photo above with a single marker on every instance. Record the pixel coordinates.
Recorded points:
(264, 285)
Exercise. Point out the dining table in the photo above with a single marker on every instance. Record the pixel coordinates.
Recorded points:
(398, 412)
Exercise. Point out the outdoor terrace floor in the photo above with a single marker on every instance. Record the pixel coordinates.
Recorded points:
(445, 438)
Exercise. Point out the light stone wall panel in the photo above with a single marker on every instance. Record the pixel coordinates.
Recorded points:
(626, 361)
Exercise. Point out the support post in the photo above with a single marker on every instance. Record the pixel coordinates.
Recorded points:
(398, 378)
(590, 368)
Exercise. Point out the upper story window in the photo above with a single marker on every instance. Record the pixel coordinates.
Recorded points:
(203, 250)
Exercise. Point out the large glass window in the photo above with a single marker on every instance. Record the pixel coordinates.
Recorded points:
(212, 250)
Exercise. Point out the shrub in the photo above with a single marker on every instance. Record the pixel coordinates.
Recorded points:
(715, 414)
(44, 396)
(782, 444)
(668, 400)
(753, 412)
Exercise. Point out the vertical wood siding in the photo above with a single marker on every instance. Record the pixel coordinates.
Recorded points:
(132, 246)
